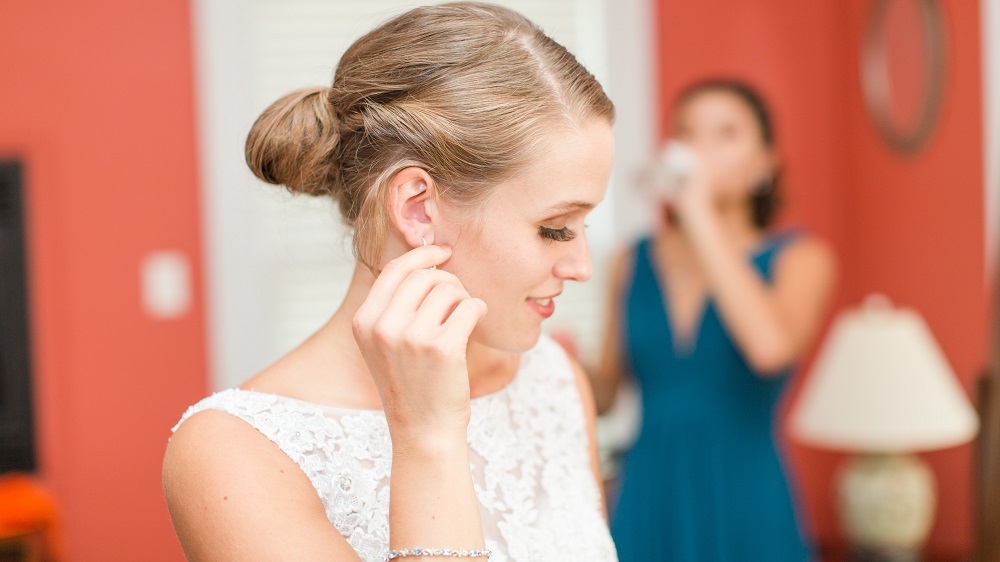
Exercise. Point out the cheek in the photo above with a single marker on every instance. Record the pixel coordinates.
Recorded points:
(735, 166)
(495, 267)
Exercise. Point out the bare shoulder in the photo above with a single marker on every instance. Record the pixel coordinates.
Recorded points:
(586, 393)
(808, 256)
(621, 265)
(583, 386)
(234, 495)
(209, 438)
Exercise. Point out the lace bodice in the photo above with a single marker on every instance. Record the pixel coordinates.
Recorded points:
(528, 454)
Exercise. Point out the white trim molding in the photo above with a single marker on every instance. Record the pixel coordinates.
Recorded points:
(990, 18)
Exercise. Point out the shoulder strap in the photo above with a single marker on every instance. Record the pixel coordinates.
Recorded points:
(766, 259)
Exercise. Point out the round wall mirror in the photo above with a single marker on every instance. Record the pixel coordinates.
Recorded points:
(902, 70)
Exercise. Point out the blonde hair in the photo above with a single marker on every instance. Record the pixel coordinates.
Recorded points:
(463, 90)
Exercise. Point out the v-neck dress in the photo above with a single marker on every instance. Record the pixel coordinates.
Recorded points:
(704, 480)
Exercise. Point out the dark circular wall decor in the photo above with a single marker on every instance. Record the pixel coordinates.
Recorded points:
(903, 70)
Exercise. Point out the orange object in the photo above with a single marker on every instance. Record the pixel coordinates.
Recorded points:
(27, 510)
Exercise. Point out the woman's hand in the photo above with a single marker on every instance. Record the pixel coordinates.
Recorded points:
(693, 198)
(413, 330)
(567, 341)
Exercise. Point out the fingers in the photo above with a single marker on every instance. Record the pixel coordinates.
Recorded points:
(565, 339)
(412, 292)
(393, 276)
(404, 306)
(437, 307)
(396, 271)
(459, 325)
(409, 302)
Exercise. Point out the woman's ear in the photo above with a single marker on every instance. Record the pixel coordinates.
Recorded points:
(773, 161)
(412, 202)
(765, 169)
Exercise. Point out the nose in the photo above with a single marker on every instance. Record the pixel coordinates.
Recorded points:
(575, 264)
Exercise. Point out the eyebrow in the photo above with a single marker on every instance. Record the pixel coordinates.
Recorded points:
(567, 206)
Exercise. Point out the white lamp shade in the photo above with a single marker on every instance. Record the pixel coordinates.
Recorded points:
(881, 383)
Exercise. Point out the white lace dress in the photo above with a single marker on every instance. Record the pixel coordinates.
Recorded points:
(529, 458)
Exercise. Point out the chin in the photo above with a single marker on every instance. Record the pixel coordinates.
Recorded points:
(503, 338)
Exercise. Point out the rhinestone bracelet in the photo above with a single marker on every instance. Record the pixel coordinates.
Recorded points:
(457, 553)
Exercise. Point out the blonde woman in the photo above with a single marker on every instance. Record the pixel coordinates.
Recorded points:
(466, 148)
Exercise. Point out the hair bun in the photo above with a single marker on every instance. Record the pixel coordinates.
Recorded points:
(294, 143)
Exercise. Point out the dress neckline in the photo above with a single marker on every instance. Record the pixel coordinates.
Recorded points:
(504, 390)
(686, 345)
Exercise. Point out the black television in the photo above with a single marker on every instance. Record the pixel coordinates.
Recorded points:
(17, 442)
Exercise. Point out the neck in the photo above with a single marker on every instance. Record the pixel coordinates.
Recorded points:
(489, 369)
(735, 220)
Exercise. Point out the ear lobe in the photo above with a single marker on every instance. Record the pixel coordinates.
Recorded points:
(773, 162)
(766, 168)
(411, 205)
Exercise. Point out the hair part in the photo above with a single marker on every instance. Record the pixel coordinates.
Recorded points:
(465, 91)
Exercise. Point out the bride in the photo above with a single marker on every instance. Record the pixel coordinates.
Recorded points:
(465, 147)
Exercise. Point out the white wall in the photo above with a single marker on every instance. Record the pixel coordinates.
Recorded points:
(232, 287)
(632, 86)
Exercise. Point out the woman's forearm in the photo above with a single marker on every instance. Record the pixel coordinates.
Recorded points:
(605, 388)
(432, 502)
(741, 295)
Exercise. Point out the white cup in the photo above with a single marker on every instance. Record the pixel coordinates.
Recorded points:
(673, 166)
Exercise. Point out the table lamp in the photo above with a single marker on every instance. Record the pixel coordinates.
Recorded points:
(881, 387)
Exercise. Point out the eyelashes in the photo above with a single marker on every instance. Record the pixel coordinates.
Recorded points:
(563, 234)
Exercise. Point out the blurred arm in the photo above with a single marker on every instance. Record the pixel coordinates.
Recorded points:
(590, 414)
(772, 325)
(611, 364)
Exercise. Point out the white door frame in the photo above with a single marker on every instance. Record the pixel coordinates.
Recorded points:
(990, 18)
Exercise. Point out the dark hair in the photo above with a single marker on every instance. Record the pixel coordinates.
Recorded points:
(766, 200)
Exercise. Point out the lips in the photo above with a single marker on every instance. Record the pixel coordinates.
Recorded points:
(545, 307)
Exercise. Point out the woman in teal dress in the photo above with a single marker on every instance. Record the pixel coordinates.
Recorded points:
(709, 316)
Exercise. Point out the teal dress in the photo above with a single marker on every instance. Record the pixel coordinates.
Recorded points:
(704, 480)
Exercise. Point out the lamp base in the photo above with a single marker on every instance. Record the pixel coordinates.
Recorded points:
(887, 504)
(872, 554)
